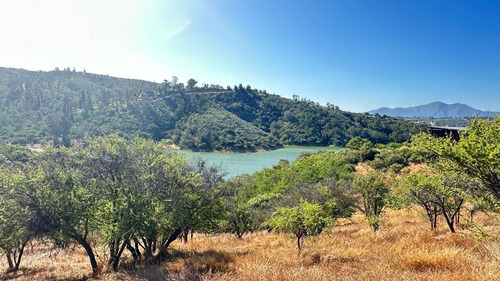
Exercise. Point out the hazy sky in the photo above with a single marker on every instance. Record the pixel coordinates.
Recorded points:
(359, 55)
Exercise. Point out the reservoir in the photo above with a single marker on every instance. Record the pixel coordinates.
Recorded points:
(236, 164)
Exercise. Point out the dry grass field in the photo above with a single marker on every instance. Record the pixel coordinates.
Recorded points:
(404, 249)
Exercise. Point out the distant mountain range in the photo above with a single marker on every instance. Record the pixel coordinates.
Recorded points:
(435, 110)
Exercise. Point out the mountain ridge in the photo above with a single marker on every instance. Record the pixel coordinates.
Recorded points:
(434, 110)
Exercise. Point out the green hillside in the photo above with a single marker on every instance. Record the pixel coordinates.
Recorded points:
(218, 129)
(61, 106)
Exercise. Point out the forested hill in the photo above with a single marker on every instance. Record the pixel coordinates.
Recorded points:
(61, 106)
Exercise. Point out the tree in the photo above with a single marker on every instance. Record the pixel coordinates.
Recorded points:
(132, 177)
(374, 193)
(307, 208)
(451, 197)
(418, 188)
(439, 193)
(306, 219)
(191, 83)
(15, 219)
(140, 181)
(245, 206)
(165, 87)
(359, 143)
(66, 204)
(179, 86)
(201, 203)
(151, 195)
(476, 154)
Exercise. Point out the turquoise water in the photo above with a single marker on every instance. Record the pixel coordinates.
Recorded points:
(236, 164)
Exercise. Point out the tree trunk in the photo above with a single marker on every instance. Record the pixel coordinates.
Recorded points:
(149, 246)
(299, 236)
(9, 260)
(436, 213)
(428, 211)
(172, 237)
(451, 219)
(238, 233)
(185, 233)
(164, 245)
(14, 257)
(20, 252)
(137, 249)
(112, 251)
(133, 251)
(450, 222)
(116, 260)
(90, 254)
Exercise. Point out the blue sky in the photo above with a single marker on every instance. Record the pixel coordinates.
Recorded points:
(359, 55)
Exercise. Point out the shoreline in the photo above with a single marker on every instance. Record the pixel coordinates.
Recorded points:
(240, 151)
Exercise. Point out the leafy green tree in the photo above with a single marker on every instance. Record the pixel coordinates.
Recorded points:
(274, 180)
(437, 193)
(308, 208)
(319, 166)
(451, 198)
(15, 219)
(191, 84)
(419, 189)
(476, 154)
(64, 204)
(373, 193)
(201, 205)
(137, 181)
(305, 219)
(151, 216)
(151, 195)
(359, 143)
(395, 158)
(480, 200)
(165, 87)
(108, 163)
(191, 200)
(245, 206)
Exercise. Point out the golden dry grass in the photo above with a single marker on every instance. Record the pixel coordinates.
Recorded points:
(404, 249)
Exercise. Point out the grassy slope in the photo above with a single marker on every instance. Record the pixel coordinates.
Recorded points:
(403, 250)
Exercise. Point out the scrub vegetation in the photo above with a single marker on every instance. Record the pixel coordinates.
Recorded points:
(126, 208)
(116, 209)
